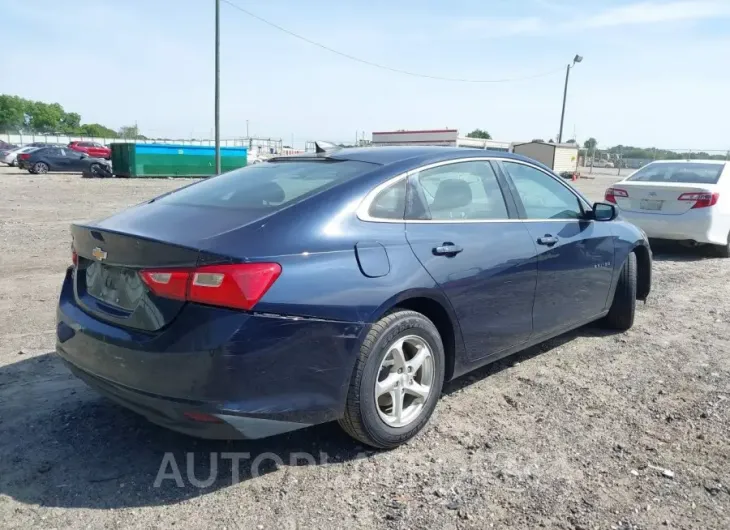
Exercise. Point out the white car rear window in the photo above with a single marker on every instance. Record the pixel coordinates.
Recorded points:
(679, 172)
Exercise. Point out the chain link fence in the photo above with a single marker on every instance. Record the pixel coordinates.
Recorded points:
(620, 161)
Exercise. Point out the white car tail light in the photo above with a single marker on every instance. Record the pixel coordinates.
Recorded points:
(701, 200)
(612, 193)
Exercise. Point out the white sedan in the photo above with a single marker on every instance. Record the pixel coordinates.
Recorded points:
(678, 200)
(11, 158)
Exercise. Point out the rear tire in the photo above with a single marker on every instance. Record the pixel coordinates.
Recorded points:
(621, 315)
(723, 251)
(367, 418)
(40, 168)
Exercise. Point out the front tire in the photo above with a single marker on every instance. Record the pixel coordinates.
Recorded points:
(396, 382)
(621, 315)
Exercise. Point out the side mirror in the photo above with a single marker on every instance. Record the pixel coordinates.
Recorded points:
(84, 155)
(603, 211)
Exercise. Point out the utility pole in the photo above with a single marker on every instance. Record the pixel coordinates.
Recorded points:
(217, 87)
(576, 59)
(247, 136)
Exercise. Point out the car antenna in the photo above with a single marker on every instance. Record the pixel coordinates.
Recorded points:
(325, 147)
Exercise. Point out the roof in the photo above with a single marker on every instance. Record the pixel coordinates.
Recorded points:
(417, 131)
(551, 144)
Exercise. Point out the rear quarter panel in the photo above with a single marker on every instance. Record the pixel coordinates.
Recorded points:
(314, 241)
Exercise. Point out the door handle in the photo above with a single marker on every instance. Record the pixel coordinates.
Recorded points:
(447, 249)
(547, 239)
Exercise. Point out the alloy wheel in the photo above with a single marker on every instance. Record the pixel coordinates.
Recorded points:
(405, 380)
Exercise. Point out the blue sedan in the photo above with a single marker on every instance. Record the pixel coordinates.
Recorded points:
(344, 285)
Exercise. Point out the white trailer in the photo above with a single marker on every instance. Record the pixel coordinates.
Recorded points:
(561, 158)
(443, 137)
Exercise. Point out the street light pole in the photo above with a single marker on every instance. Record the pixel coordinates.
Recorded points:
(576, 59)
(217, 87)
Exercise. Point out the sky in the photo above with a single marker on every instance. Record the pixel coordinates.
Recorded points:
(655, 73)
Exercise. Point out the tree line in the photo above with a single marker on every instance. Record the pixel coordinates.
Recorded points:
(20, 115)
(651, 153)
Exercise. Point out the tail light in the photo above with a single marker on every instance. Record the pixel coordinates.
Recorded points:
(239, 286)
(612, 193)
(167, 283)
(24, 156)
(701, 200)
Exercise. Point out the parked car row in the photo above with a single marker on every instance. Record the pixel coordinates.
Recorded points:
(602, 163)
(46, 159)
(39, 158)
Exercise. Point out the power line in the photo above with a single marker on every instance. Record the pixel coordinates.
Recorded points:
(381, 66)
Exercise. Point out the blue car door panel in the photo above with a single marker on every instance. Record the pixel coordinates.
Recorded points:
(575, 254)
(461, 231)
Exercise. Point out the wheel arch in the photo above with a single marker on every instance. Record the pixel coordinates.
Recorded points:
(436, 307)
(643, 272)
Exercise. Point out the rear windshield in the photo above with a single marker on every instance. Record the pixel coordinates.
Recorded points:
(268, 185)
(689, 172)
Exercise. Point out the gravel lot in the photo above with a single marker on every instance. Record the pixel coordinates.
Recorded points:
(589, 430)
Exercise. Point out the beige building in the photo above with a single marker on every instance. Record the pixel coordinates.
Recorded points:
(559, 157)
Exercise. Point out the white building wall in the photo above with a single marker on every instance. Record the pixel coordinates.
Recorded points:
(431, 137)
(566, 159)
(265, 145)
(480, 143)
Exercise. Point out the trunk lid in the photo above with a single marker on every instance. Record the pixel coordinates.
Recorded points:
(112, 252)
(107, 283)
(658, 197)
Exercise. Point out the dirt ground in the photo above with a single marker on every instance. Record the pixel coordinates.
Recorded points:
(589, 430)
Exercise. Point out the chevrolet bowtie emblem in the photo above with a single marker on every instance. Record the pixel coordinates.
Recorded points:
(98, 254)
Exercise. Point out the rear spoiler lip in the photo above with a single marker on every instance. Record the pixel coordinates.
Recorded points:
(139, 251)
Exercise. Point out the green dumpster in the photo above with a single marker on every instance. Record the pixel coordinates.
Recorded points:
(171, 160)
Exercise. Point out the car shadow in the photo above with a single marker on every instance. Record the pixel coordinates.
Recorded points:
(589, 330)
(663, 250)
(63, 445)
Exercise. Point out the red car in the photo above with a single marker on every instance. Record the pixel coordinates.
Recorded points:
(93, 149)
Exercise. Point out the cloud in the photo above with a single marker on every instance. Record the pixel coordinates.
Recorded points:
(657, 12)
(631, 14)
(501, 26)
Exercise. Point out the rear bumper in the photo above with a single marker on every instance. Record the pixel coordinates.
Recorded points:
(258, 374)
(700, 226)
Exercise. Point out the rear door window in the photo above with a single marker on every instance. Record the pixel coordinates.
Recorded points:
(679, 172)
(268, 186)
(462, 191)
